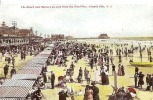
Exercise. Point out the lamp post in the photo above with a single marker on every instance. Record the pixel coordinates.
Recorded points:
(115, 82)
(14, 23)
(30, 34)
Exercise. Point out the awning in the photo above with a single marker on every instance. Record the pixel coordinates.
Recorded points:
(25, 76)
(12, 98)
(18, 83)
(30, 67)
(33, 65)
(29, 71)
(13, 92)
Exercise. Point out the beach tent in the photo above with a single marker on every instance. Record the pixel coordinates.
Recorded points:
(25, 76)
(14, 93)
(29, 71)
(30, 67)
(18, 83)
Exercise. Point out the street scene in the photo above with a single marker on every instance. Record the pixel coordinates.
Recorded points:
(76, 54)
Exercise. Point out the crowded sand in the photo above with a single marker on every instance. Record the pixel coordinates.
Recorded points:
(18, 64)
(104, 90)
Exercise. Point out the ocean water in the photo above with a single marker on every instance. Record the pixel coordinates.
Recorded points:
(118, 41)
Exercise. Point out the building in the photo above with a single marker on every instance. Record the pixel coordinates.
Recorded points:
(57, 37)
(7, 31)
(69, 38)
(25, 32)
(103, 36)
(13, 36)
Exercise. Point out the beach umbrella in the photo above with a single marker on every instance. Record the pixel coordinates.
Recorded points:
(132, 90)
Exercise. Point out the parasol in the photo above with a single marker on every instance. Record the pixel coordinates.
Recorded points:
(132, 90)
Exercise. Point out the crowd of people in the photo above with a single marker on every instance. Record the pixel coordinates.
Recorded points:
(100, 57)
(10, 55)
(139, 80)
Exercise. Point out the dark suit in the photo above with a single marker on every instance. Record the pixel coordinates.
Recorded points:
(52, 80)
(95, 93)
(6, 70)
(62, 95)
(113, 67)
(135, 80)
(136, 69)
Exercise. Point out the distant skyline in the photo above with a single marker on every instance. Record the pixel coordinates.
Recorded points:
(117, 21)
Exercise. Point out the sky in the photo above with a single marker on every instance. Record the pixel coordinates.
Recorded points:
(115, 20)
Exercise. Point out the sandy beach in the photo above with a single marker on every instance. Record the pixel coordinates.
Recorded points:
(18, 64)
(105, 90)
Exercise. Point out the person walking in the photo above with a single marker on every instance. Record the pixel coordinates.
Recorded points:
(136, 69)
(122, 69)
(9, 60)
(95, 91)
(62, 95)
(72, 66)
(113, 69)
(88, 93)
(24, 55)
(119, 70)
(80, 72)
(37, 95)
(52, 79)
(99, 61)
(149, 83)
(13, 71)
(13, 61)
(107, 77)
(147, 79)
(44, 77)
(91, 64)
(85, 73)
(97, 75)
(6, 68)
(141, 81)
(111, 59)
(88, 78)
(136, 79)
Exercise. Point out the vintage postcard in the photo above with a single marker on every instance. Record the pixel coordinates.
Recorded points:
(65, 51)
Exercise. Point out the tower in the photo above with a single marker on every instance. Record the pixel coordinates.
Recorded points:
(3, 24)
(14, 23)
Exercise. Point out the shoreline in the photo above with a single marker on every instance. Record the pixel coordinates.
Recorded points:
(149, 38)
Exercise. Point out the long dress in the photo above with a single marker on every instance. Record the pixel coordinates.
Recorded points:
(62, 95)
(141, 81)
(89, 94)
(99, 62)
(107, 78)
(119, 71)
(85, 74)
(103, 78)
(97, 76)
(122, 69)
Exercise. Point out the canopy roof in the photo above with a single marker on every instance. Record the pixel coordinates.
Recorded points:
(18, 83)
